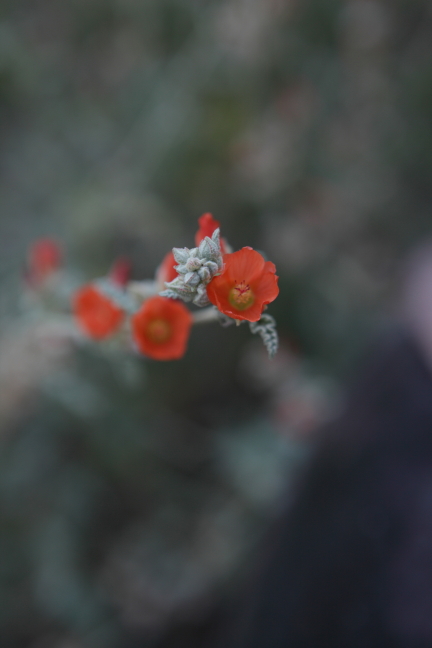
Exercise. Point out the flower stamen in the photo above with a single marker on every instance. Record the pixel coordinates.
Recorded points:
(159, 331)
(241, 296)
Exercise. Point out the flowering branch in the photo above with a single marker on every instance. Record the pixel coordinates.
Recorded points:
(237, 286)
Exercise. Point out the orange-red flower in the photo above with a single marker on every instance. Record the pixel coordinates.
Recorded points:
(207, 226)
(161, 328)
(97, 315)
(120, 272)
(44, 258)
(166, 272)
(247, 283)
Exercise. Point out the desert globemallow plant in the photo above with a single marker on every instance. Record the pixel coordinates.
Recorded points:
(226, 286)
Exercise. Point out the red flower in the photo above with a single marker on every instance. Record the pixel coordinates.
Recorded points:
(166, 272)
(120, 272)
(161, 328)
(96, 314)
(44, 258)
(207, 227)
(247, 283)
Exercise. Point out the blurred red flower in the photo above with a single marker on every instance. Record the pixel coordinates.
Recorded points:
(44, 257)
(166, 272)
(161, 328)
(207, 226)
(120, 272)
(97, 315)
(247, 283)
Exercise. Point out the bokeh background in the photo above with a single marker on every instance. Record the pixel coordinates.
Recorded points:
(133, 494)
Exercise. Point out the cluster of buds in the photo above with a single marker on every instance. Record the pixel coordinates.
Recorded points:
(197, 267)
(233, 287)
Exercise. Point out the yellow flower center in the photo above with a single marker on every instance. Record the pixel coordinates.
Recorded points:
(159, 330)
(241, 296)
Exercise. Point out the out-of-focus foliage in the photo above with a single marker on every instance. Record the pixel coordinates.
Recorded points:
(132, 494)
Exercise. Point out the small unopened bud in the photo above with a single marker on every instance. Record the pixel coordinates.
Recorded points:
(193, 264)
(196, 269)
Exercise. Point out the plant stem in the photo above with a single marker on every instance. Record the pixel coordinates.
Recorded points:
(206, 315)
(143, 289)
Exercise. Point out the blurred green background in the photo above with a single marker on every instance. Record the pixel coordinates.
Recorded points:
(133, 495)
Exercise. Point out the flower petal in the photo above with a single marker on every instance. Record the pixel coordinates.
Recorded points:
(207, 225)
(95, 313)
(218, 289)
(269, 267)
(45, 257)
(245, 265)
(266, 288)
(166, 271)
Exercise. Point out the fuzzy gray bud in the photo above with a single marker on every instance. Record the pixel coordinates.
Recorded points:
(196, 269)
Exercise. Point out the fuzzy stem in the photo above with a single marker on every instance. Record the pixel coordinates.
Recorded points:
(149, 288)
(143, 289)
(206, 315)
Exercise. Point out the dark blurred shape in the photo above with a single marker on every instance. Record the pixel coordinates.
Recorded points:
(351, 561)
